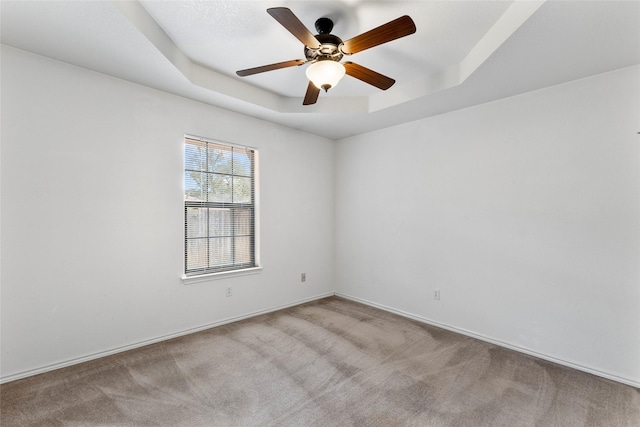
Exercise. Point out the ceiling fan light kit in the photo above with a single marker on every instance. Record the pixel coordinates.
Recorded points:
(325, 51)
(325, 74)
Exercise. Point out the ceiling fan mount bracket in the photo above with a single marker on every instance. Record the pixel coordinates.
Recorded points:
(324, 25)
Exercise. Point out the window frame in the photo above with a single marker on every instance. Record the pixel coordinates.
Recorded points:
(249, 268)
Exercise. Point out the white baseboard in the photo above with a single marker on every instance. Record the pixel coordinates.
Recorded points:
(421, 319)
(93, 356)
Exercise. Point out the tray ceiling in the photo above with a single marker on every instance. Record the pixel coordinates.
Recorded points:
(462, 54)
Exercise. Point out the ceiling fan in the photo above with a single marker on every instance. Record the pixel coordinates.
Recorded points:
(325, 51)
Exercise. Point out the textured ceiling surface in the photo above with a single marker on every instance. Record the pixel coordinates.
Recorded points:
(462, 54)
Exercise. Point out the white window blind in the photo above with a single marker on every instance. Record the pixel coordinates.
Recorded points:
(219, 207)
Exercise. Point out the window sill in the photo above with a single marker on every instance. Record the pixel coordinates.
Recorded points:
(188, 280)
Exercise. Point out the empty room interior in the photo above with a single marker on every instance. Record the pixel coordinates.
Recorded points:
(320, 213)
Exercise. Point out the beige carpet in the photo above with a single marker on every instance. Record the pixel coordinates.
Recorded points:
(328, 363)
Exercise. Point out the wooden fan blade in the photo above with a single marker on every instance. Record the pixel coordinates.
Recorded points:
(368, 76)
(276, 66)
(288, 20)
(392, 30)
(312, 94)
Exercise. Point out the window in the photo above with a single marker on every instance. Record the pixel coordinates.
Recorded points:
(219, 207)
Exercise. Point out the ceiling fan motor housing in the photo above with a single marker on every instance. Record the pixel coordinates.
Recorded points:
(329, 48)
(329, 44)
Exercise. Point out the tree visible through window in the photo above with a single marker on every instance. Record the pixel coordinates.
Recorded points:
(219, 207)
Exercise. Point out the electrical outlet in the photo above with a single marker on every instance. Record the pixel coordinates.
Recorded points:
(303, 277)
(436, 294)
(228, 291)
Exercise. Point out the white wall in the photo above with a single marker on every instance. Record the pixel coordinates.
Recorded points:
(523, 212)
(92, 214)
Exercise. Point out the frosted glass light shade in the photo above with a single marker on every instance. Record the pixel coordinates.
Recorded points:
(325, 74)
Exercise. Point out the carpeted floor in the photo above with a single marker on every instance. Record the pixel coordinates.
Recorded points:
(331, 362)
